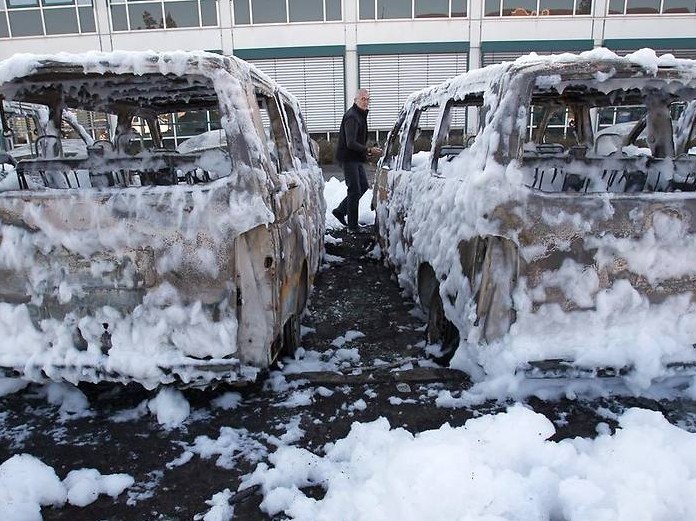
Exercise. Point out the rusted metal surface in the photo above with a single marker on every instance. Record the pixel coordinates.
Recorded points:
(187, 264)
(567, 199)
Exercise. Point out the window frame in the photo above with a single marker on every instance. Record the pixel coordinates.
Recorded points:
(471, 101)
(163, 13)
(77, 6)
(376, 18)
(409, 137)
(296, 136)
(278, 128)
(660, 11)
(395, 136)
(287, 15)
(538, 12)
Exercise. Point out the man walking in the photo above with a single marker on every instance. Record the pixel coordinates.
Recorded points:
(352, 153)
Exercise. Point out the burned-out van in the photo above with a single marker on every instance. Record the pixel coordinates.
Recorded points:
(545, 211)
(133, 261)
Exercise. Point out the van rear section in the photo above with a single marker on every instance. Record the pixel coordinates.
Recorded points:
(605, 273)
(136, 284)
(629, 218)
(132, 259)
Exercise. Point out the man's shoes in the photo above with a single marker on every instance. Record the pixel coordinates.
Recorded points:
(360, 230)
(338, 215)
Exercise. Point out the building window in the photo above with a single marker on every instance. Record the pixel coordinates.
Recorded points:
(538, 7)
(394, 9)
(400, 9)
(46, 17)
(178, 127)
(651, 6)
(135, 15)
(285, 11)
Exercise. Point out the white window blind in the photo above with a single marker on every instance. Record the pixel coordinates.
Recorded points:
(491, 57)
(392, 78)
(689, 54)
(317, 83)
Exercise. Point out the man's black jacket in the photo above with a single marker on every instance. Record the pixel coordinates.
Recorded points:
(352, 136)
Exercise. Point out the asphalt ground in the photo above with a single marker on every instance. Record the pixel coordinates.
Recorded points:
(386, 375)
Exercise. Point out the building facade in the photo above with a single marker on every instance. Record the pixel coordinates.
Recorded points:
(323, 50)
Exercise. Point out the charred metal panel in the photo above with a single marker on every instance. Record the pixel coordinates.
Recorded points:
(137, 263)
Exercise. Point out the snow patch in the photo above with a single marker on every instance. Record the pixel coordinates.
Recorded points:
(480, 471)
(171, 408)
(27, 484)
(220, 508)
(227, 401)
(348, 336)
(11, 385)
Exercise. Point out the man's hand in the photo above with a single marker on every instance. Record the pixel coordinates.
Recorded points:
(374, 151)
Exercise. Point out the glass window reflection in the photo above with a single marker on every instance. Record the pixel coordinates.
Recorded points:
(492, 8)
(181, 14)
(241, 12)
(145, 16)
(333, 10)
(538, 7)
(519, 8)
(458, 8)
(57, 2)
(555, 7)
(643, 6)
(61, 21)
(26, 23)
(431, 8)
(583, 7)
(208, 12)
(678, 6)
(22, 3)
(306, 10)
(268, 11)
(118, 18)
(367, 9)
(86, 15)
(616, 6)
(387, 9)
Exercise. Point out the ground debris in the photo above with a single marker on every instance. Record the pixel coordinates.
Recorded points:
(378, 375)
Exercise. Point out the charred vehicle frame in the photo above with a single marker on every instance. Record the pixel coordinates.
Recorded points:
(489, 230)
(135, 262)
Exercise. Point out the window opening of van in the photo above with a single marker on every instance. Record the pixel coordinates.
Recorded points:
(458, 129)
(274, 133)
(121, 131)
(626, 140)
(419, 139)
(393, 146)
(298, 148)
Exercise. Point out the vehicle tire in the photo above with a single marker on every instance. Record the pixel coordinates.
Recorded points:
(440, 330)
(494, 307)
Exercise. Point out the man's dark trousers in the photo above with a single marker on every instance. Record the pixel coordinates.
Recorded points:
(356, 181)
